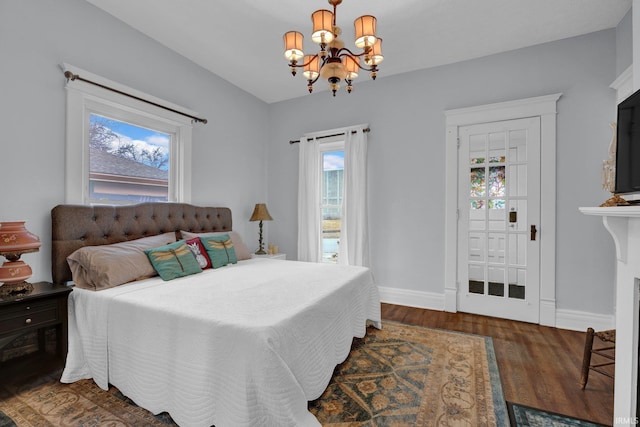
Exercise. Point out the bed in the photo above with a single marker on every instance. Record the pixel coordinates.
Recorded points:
(247, 344)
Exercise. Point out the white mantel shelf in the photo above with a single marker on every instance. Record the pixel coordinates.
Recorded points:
(623, 223)
(624, 211)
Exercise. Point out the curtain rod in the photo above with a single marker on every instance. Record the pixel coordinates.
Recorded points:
(70, 76)
(329, 136)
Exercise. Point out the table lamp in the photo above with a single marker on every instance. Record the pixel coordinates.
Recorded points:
(16, 240)
(260, 213)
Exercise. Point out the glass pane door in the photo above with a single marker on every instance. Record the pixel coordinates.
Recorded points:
(499, 199)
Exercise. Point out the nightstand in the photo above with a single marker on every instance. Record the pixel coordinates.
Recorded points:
(270, 256)
(43, 307)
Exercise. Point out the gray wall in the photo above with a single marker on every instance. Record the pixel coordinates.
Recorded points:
(234, 166)
(36, 36)
(624, 43)
(407, 159)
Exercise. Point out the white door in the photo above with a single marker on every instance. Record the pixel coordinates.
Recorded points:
(499, 217)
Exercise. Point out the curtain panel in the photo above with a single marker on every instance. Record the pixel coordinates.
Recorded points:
(354, 233)
(309, 219)
(354, 236)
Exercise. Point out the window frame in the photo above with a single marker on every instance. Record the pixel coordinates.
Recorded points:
(84, 99)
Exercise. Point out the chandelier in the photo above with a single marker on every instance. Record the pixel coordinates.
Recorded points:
(334, 62)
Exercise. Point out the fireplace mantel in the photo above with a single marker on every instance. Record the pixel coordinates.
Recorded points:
(623, 222)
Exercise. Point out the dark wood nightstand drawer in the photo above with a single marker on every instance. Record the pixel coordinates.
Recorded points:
(41, 307)
(28, 314)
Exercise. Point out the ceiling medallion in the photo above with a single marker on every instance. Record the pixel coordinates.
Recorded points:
(334, 62)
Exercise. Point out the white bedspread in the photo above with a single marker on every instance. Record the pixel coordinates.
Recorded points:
(244, 345)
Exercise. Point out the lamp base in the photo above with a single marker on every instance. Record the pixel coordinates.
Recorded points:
(11, 289)
(260, 250)
(14, 271)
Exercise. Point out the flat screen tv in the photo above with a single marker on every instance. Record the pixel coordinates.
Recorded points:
(628, 146)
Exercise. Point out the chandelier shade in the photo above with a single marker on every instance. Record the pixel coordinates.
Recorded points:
(322, 26)
(351, 66)
(333, 62)
(365, 27)
(293, 46)
(374, 57)
(311, 67)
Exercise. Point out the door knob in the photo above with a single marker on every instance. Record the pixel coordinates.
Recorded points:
(534, 231)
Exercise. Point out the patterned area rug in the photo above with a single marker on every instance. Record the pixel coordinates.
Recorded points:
(413, 376)
(46, 402)
(398, 376)
(525, 416)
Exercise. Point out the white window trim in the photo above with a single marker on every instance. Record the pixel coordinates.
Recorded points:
(85, 98)
(332, 145)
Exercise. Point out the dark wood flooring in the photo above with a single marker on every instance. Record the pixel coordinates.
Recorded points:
(539, 366)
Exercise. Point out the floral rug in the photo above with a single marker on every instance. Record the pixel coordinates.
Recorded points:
(46, 402)
(413, 376)
(398, 376)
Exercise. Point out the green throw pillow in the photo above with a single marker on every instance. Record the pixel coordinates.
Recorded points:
(220, 250)
(173, 260)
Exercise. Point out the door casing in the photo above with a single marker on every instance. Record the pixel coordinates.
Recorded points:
(544, 107)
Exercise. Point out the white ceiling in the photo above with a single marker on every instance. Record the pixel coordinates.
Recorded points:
(241, 40)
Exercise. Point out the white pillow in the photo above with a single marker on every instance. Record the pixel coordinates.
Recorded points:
(106, 266)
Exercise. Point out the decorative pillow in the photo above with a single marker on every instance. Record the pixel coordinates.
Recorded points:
(106, 266)
(173, 260)
(220, 250)
(242, 252)
(199, 252)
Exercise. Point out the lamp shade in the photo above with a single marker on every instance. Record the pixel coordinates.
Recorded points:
(16, 239)
(311, 67)
(322, 26)
(374, 57)
(365, 28)
(351, 67)
(260, 213)
(293, 45)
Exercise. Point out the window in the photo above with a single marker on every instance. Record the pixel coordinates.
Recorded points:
(127, 163)
(332, 197)
(332, 183)
(121, 150)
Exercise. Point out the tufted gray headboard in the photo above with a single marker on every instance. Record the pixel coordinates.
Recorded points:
(75, 226)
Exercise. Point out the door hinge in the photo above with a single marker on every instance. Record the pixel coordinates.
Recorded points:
(458, 141)
(458, 214)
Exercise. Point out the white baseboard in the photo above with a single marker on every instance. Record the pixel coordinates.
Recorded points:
(581, 320)
(409, 298)
(549, 315)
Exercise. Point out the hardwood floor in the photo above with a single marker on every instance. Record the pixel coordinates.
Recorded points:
(539, 366)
